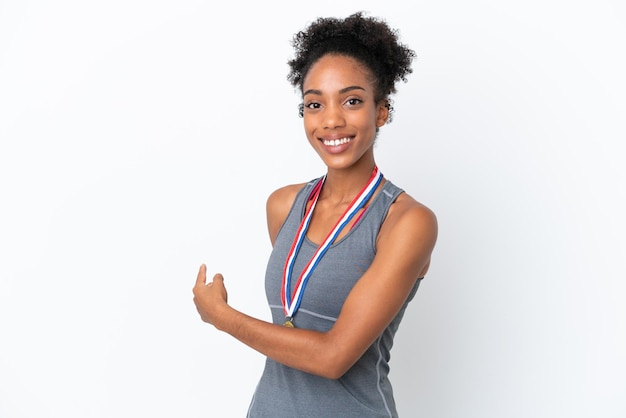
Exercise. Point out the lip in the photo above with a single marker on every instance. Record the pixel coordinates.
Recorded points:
(339, 148)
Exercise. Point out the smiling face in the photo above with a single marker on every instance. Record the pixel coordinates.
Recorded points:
(341, 115)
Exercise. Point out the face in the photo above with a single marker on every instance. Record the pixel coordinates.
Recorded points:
(340, 114)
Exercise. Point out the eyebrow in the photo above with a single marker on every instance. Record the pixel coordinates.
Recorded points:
(342, 91)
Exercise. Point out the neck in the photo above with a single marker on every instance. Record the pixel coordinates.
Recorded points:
(342, 185)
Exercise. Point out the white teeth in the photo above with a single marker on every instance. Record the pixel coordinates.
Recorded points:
(336, 142)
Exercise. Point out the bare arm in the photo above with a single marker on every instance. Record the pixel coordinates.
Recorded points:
(405, 243)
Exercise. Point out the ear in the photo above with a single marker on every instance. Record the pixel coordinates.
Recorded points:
(382, 113)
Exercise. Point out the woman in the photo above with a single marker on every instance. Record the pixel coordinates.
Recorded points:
(349, 248)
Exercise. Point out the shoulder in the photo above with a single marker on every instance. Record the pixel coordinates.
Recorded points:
(281, 199)
(408, 214)
(278, 206)
(407, 209)
(410, 227)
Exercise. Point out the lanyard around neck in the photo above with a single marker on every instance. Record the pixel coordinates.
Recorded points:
(291, 302)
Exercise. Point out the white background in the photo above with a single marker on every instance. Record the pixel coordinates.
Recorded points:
(141, 138)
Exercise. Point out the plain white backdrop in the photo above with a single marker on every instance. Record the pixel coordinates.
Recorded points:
(139, 139)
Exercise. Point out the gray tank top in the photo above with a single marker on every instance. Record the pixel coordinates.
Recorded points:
(363, 391)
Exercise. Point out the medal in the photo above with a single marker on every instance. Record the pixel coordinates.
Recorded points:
(291, 302)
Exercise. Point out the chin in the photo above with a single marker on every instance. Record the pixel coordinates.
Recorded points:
(338, 163)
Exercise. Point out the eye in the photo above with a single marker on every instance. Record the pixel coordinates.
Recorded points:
(312, 105)
(353, 101)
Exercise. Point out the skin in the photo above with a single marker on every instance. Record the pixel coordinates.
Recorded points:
(338, 95)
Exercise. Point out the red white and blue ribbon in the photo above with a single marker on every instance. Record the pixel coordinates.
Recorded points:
(291, 302)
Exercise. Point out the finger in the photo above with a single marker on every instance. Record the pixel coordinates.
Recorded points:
(219, 277)
(201, 275)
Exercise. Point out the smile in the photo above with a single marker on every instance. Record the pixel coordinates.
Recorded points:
(336, 142)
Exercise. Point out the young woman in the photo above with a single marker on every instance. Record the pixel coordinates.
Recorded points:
(349, 248)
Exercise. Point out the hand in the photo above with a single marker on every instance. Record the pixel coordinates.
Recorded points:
(210, 297)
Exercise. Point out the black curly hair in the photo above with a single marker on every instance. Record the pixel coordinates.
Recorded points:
(369, 40)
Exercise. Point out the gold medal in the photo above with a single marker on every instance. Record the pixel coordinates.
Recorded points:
(288, 322)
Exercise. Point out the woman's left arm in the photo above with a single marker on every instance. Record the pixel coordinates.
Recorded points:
(405, 243)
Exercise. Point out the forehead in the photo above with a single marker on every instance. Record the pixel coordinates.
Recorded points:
(337, 70)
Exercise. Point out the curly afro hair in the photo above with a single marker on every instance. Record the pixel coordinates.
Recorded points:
(367, 39)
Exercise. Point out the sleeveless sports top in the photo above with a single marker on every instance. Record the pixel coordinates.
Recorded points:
(364, 390)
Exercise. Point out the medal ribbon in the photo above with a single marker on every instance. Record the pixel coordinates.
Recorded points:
(291, 303)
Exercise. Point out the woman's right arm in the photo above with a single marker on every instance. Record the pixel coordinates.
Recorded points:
(278, 206)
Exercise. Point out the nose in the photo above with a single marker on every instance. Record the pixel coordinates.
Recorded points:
(333, 116)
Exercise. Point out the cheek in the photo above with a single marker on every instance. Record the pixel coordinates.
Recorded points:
(309, 129)
(367, 121)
